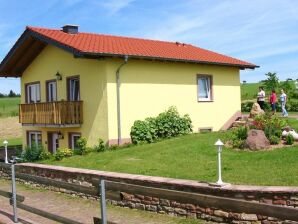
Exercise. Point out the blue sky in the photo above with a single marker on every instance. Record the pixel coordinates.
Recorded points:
(264, 32)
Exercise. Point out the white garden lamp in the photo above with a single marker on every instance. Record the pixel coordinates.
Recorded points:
(219, 145)
(5, 146)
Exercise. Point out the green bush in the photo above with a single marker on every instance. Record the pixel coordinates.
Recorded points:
(236, 137)
(241, 132)
(171, 124)
(32, 154)
(290, 139)
(143, 131)
(166, 125)
(62, 153)
(45, 155)
(101, 146)
(274, 140)
(82, 146)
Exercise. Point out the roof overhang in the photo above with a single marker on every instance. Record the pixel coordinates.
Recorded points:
(31, 43)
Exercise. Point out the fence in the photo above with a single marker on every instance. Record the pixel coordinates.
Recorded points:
(114, 190)
(11, 151)
(17, 200)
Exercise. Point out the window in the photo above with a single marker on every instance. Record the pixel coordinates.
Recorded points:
(51, 90)
(33, 93)
(34, 139)
(73, 137)
(73, 84)
(205, 88)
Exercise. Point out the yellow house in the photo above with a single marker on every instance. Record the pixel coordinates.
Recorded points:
(81, 84)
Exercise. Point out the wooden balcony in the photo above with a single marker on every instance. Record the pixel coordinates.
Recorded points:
(52, 114)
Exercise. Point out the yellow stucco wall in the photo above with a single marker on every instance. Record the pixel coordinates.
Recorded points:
(92, 90)
(147, 88)
(150, 87)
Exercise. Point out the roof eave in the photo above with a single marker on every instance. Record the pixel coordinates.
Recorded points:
(99, 55)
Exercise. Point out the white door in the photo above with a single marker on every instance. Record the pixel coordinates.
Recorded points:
(55, 142)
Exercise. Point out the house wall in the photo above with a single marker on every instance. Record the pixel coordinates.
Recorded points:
(92, 90)
(150, 87)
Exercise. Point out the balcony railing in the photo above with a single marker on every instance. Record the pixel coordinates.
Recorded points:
(62, 113)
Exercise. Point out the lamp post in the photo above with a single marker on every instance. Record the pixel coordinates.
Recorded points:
(219, 145)
(5, 146)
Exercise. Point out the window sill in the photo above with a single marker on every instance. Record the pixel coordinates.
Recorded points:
(205, 101)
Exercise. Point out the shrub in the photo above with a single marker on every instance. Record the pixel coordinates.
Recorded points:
(32, 154)
(166, 125)
(269, 121)
(143, 131)
(101, 146)
(82, 146)
(238, 143)
(62, 153)
(236, 137)
(45, 155)
(274, 140)
(241, 132)
(290, 139)
(171, 124)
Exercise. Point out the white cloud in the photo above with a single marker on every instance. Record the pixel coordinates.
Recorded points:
(114, 6)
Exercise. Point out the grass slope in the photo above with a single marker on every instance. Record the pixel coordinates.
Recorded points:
(195, 157)
(249, 91)
(9, 107)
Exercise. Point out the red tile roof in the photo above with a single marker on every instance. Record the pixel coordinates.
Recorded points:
(99, 44)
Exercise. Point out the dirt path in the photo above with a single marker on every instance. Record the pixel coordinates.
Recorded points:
(10, 128)
(78, 209)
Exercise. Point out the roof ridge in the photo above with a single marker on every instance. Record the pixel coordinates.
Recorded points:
(113, 35)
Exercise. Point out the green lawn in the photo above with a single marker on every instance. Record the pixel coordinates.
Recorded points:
(195, 157)
(9, 107)
(12, 141)
(249, 91)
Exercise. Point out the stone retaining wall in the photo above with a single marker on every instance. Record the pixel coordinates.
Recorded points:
(282, 196)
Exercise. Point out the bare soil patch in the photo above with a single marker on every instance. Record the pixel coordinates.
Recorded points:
(10, 128)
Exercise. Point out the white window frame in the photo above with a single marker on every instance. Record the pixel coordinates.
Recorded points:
(72, 140)
(35, 134)
(209, 88)
(52, 91)
(33, 92)
(71, 88)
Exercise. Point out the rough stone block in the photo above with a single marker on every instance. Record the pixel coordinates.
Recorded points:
(191, 215)
(180, 212)
(205, 217)
(141, 197)
(140, 206)
(190, 207)
(216, 219)
(279, 202)
(209, 211)
(235, 216)
(266, 200)
(164, 202)
(175, 204)
(249, 217)
(221, 213)
(168, 209)
(151, 208)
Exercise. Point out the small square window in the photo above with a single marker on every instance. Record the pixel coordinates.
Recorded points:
(204, 88)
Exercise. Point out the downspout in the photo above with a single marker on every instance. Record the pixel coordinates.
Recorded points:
(118, 98)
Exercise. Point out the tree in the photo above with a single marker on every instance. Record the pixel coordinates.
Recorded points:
(12, 94)
(271, 83)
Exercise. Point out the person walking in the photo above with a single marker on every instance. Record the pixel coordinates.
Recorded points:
(283, 100)
(272, 101)
(261, 97)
